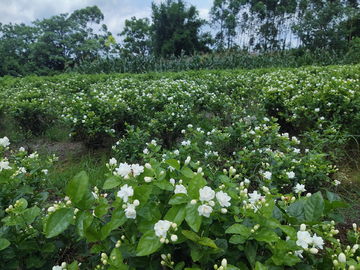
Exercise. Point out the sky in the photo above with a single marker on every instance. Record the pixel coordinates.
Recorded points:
(115, 11)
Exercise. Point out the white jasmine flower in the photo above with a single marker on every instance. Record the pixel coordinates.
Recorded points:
(125, 192)
(21, 149)
(303, 227)
(51, 209)
(147, 179)
(337, 182)
(290, 175)
(187, 161)
(130, 211)
(176, 152)
(318, 241)
(317, 110)
(124, 169)
(267, 175)
(185, 143)
(246, 181)
(145, 151)
(45, 171)
(161, 227)
(299, 253)
(4, 141)
(113, 161)
(296, 150)
(4, 165)
(180, 189)
(304, 239)
(206, 194)
(223, 199)
(172, 181)
(57, 267)
(137, 169)
(94, 194)
(299, 188)
(254, 197)
(153, 142)
(204, 210)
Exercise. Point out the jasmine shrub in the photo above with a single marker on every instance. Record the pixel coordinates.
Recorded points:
(169, 212)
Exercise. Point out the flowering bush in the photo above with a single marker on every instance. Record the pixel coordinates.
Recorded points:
(172, 207)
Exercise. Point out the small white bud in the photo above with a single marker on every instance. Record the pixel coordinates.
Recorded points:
(174, 238)
(224, 262)
(193, 202)
(314, 250)
(136, 203)
(342, 258)
(302, 227)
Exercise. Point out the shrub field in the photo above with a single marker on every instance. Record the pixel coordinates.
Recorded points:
(220, 169)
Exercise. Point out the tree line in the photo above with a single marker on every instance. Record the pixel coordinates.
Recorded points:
(64, 41)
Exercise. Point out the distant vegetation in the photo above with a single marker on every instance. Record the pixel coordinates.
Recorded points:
(286, 33)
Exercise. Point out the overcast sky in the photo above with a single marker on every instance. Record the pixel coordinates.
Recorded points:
(115, 11)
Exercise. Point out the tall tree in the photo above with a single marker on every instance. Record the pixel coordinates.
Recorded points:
(176, 28)
(15, 48)
(319, 25)
(137, 36)
(64, 40)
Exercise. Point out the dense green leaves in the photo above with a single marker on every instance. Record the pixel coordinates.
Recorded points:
(58, 222)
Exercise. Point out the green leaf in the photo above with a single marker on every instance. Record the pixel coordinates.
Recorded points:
(87, 202)
(187, 172)
(176, 214)
(77, 187)
(83, 221)
(260, 266)
(105, 230)
(239, 229)
(118, 218)
(192, 217)
(196, 254)
(314, 207)
(101, 210)
(266, 235)
(58, 222)
(116, 258)
(251, 253)
(179, 198)
(296, 210)
(149, 243)
(92, 235)
(191, 235)
(290, 231)
(142, 193)
(205, 241)
(72, 266)
(194, 186)
(4, 243)
(112, 182)
(238, 239)
(30, 215)
(180, 266)
(173, 163)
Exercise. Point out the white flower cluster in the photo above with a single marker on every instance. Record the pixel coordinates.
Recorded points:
(125, 169)
(4, 142)
(124, 193)
(206, 197)
(161, 229)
